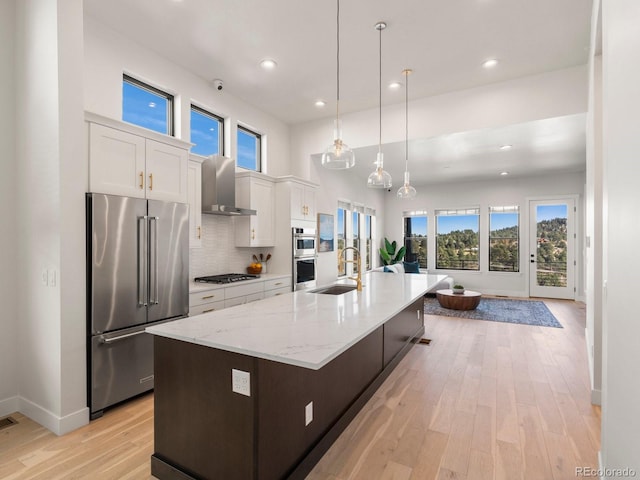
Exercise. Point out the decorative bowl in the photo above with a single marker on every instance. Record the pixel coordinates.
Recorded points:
(458, 290)
(254, 270)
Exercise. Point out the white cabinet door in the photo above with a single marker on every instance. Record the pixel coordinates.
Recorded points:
(166, 172)
(310, 202)
(256, 230)
(194, 189)
(116, 162)
(303, 202)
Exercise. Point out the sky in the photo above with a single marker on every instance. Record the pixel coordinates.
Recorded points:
(447, 224)
(548, 212)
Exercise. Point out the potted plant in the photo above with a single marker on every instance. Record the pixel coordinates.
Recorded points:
(457, 288)
(389, 255)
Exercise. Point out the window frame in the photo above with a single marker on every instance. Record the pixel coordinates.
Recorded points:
(509, 209)
(471, 211)
(221, 121)
(170, 98)
(258, 137)
(405, 217)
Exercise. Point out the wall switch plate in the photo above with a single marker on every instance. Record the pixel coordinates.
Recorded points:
(241, 382)
(308, 414)
(52, 277)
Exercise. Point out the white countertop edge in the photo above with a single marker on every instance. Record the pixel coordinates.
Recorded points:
(319, 354)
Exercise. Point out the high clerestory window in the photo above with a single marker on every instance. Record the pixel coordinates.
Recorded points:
(249, 148)
(457, 239)
(207, 132)
(504, 242)
(147, 106)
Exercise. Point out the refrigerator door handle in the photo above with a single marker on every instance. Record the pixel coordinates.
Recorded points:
(121, 337)
(143, 266)
(154, 255)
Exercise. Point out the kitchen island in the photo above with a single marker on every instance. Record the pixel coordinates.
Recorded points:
(301, 364)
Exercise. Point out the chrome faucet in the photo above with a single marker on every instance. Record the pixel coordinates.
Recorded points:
(358, 279)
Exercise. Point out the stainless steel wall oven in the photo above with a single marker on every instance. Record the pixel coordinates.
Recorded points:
(304, 258)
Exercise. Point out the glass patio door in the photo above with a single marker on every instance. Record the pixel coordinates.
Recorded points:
(552, 248)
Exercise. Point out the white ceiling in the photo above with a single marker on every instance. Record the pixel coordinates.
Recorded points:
(444, 42)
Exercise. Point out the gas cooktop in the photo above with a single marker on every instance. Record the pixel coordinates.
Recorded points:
(226, 278)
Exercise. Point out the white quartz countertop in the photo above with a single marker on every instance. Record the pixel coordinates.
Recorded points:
(301, 328)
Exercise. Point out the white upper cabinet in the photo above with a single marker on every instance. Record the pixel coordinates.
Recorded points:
(194, 192)
(257, 192)
(130, 161)
(302, 198)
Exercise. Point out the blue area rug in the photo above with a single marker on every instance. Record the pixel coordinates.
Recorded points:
(525, 312)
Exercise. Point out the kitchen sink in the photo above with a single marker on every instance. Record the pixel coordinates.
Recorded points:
(334, 289)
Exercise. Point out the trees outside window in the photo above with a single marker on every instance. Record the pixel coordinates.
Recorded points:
(457, 239)
(504, 242)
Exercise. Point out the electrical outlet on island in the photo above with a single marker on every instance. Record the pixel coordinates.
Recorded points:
(241, 382)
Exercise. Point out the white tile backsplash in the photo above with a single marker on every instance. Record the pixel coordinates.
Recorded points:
(218, 253)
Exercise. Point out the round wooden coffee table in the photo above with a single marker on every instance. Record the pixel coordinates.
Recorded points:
(468, 300)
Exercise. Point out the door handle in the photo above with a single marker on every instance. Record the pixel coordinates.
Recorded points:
(154, 255)
(121, 337)
(143, 267)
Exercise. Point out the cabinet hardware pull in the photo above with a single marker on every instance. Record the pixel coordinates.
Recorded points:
(199, 232)
(207, 311)
(253, 234)
(208, 296)
(151, 181)
(278, 283)
(141, 180)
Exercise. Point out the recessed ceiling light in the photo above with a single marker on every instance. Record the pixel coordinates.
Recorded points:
(395, 85)
(492, 62)
(268, 64)
(504, 174)
(506, 147)
(320, 103)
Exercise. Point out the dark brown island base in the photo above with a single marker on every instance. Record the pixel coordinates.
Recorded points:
(203, 430)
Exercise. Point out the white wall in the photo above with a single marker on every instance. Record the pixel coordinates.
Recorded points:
(9, 236)
(503, 191)
(547, 95)
(108, 54)
(50, 184)
(593, 214)
(621, 150)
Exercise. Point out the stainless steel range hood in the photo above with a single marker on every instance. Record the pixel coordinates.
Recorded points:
(219, 187)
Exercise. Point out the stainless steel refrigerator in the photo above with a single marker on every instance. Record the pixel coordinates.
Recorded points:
(137, 274)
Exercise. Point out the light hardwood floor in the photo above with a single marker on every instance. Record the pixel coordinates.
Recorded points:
(485, 400)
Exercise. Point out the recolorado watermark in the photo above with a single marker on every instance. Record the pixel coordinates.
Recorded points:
(605, 472)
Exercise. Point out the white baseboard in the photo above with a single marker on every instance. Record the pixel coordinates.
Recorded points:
(9, 405)
(58, 425)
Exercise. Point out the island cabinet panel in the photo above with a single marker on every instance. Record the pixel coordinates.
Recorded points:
(284, 391)
(203, 430)
(406, 325)
(201, 427)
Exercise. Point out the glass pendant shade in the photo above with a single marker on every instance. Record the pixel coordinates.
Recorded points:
(379, 178)
(406, 190)
(338, 155)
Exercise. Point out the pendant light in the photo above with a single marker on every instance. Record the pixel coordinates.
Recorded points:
(338, 155)
(406, 191)
(379, 178)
